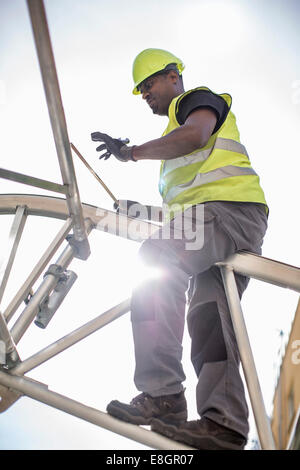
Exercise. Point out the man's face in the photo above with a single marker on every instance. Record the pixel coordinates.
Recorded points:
(158, 91)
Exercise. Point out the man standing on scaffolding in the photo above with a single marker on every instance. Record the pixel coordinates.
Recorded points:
(209, 191)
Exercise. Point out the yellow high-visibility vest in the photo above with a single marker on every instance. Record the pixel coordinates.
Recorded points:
(220, 171)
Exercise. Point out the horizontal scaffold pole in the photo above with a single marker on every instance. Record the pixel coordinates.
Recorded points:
(32, 181)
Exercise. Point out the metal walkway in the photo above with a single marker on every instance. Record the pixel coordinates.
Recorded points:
(57, 280)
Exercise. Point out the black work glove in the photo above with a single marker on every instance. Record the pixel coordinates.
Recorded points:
(115, 147)
(137, 210)
(131, 209)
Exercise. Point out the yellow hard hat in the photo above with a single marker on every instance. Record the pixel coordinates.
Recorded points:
(151, 61)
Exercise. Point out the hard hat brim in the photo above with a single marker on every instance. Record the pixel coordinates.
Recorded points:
(179, 67)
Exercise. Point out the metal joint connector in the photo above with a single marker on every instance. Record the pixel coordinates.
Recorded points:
(50, 303)
(81, 247)
(55, 270)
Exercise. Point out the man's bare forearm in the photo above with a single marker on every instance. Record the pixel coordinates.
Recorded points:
(181, 141)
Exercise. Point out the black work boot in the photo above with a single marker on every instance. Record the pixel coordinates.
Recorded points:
(203, 434)
(143, 408)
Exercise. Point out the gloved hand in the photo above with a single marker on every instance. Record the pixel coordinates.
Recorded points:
(137, 210)
(130, 208)
(116, 147)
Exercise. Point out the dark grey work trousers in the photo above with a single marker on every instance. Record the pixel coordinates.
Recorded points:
(158, 310)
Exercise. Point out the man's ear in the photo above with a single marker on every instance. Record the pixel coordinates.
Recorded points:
(174, 76)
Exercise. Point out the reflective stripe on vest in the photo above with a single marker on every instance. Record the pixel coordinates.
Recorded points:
(200, 156)
(209, 177)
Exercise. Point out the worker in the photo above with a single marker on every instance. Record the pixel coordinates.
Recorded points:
(206, 178)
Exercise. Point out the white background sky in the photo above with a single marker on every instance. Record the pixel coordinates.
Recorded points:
(249, 49)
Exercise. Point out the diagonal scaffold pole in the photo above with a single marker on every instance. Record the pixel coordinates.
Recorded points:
(12, 246)
(42, 394)
(58, 122)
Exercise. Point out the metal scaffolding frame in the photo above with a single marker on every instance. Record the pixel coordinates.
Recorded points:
(84, 218)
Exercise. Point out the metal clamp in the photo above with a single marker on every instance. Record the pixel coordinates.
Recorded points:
(50, 303)
(81, 247)
(55, 270)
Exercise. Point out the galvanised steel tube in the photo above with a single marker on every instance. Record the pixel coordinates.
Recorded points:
(104, 220)
(48, 284)
(12, 246)
(264, 269)
(259, 411)
(32, 181)
(56, 112)
(72, 338)
(6, 337)
(37, 270)
(92, 415)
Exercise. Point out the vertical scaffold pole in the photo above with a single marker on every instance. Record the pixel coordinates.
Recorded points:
(57, 118)
(259, 411)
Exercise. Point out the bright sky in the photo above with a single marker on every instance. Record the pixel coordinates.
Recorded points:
(249, 49)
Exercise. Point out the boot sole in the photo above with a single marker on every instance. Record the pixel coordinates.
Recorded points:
(199, 442)
(123, 415)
